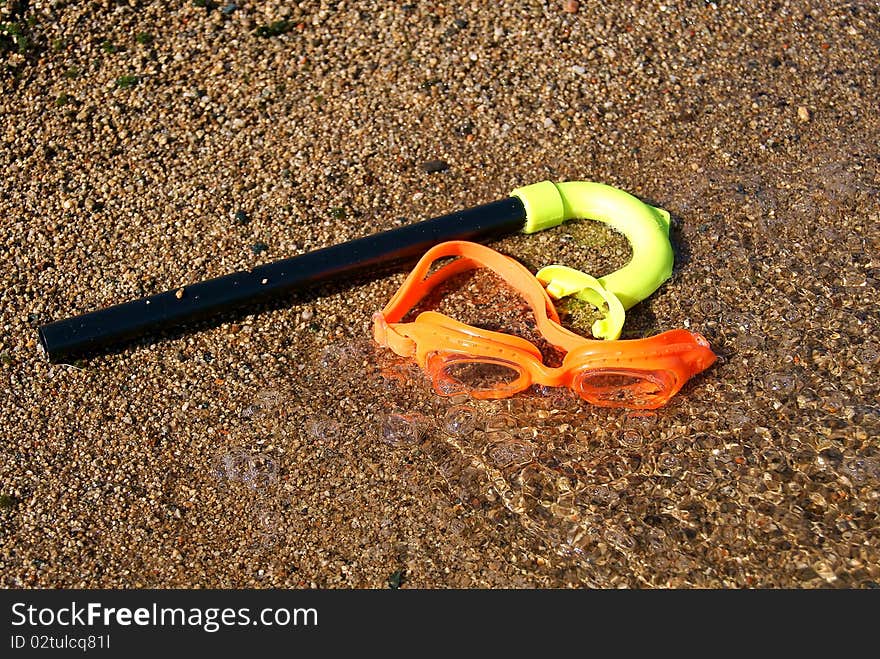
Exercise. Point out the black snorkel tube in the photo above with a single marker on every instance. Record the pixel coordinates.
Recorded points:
(98, 331)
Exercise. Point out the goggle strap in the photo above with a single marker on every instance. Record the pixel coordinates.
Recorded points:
(417, 285)
(415, 288)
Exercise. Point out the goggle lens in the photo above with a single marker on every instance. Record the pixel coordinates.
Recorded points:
(624, 387)
(480, 377)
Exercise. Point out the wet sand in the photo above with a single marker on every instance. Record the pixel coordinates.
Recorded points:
(150, 145)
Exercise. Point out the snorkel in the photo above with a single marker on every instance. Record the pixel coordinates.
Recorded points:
(529, 209)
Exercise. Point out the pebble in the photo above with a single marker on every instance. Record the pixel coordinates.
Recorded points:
(434, 166)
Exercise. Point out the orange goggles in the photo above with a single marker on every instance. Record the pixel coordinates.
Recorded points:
(462, 359)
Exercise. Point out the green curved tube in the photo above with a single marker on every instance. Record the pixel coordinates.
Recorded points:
(549, 204)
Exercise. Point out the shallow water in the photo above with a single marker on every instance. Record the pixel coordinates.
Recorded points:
(768, 453)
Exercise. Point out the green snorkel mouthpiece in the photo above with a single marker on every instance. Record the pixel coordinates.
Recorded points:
(646, 227)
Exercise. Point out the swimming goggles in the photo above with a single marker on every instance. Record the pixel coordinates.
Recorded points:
(463, 359)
